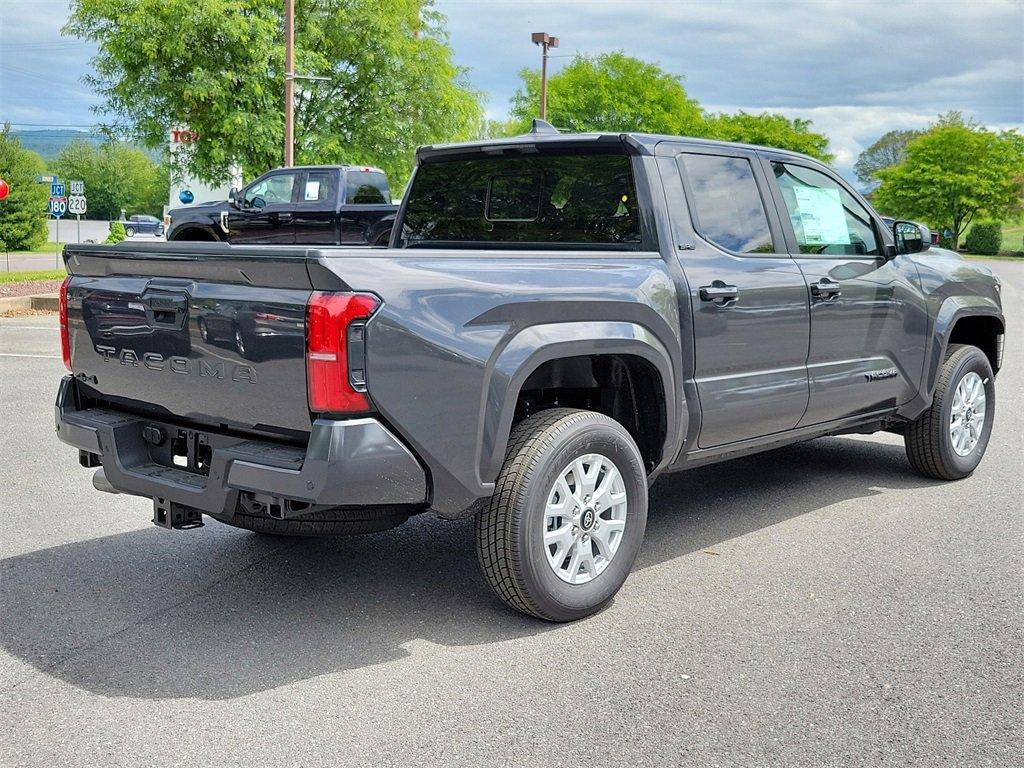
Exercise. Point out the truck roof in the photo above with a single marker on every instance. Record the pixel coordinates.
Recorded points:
(545, 133)
(330, 166)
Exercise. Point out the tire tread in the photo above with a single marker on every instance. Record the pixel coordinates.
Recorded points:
(497, 524)
(923, 437)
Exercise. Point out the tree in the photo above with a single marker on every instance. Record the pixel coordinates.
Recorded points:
(616, 92)
(609, 92)
(23, 212)
(770, 130)
(954, 172)
(888, 150)
(217, 68)
(117, 177)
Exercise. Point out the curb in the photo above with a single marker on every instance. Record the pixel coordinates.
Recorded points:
(43, 302)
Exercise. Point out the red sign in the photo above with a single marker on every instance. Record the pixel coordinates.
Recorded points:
(4, 189)
(183, 136)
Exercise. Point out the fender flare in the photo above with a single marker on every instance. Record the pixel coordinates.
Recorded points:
(954, 308)
(185, 226)
(380, 227)
(535, 345)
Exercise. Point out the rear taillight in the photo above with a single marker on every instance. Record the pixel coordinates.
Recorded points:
(65, 341)
(334, 339)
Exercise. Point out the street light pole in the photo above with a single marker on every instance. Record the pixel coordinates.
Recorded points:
(545, 41)
(289, 83)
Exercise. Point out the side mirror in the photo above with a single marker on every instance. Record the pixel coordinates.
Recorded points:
(233, 197)
(911, 237)
(259, 202)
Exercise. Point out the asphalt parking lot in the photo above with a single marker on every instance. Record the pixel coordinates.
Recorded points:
(818, 605)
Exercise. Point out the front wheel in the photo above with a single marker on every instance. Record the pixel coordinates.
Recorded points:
(129, 231)
(948, 440)
(561, 532)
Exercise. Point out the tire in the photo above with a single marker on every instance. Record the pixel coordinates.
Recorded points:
(129, 231)
(204, 331)
(328, 522)
(510, 529)
(929, 441)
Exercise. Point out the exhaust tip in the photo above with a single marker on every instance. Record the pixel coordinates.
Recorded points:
(100, 482)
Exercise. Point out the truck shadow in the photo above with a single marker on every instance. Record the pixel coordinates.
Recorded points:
(222, 613)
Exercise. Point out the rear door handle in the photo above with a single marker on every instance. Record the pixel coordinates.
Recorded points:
(719, 293)
(826, 289)
(284, 216)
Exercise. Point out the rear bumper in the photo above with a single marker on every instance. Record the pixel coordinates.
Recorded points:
(353, 462)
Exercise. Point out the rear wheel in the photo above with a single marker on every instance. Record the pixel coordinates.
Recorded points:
(560, 535)
(948, 440)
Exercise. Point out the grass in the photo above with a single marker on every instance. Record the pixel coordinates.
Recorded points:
(26, 277)
(49, 249)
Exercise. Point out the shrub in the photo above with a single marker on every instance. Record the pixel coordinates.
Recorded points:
(23, 213)
(117, 233)
(985, 238)
(946, 242)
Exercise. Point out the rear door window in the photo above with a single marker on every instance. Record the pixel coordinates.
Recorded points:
(551, 199)
(729, 209)
(319, 188)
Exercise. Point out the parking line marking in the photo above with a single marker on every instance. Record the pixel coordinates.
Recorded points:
(4, 327)
(38, 357)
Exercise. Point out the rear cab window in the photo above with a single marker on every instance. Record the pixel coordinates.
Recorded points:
(564, 199)
(366, 187)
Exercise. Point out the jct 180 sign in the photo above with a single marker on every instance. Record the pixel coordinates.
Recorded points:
(58, 205)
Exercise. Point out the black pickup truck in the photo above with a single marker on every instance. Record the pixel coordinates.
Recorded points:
(561, 319)
(315, 205)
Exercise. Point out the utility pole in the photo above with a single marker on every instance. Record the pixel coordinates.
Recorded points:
(289, 83)
(545, 41)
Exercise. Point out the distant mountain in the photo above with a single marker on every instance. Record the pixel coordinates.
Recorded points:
(49, 142)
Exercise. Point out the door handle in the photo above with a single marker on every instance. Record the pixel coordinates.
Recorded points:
(826, 289)
(719, 293)
(284, 216)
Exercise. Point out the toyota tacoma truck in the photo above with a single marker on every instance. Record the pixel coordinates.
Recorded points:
(313, 204)
(558, 321)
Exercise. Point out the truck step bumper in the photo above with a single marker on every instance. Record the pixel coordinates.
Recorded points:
(351, 462)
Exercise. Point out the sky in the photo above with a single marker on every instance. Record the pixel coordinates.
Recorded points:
(856, 69)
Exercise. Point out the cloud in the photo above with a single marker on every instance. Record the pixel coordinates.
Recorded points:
(40, 71)
(855, 69)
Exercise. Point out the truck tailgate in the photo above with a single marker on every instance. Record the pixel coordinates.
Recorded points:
(208, 334)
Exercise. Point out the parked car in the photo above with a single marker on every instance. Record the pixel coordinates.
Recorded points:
(318, 205)
(561, 320)
(143, 225)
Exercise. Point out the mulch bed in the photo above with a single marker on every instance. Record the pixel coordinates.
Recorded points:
(30, 288)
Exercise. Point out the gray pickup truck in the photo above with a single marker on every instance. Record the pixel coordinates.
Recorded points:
(559, 320)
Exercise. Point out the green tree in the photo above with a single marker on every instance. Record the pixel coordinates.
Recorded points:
(117, 177)
(609, 92)
(770, 130)
(23, 212)
(217, 68)
(954, 172)
(888, 150)
(616, 92)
